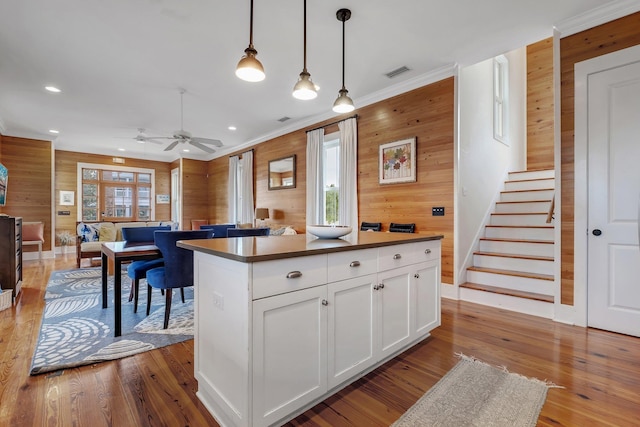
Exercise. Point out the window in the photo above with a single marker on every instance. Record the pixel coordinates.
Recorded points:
(331, 177)
(500, 98)
(115, 194)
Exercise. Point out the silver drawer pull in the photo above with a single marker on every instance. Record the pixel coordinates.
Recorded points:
(354, 264)
(294, 275)
(397, 256)
(427, 251)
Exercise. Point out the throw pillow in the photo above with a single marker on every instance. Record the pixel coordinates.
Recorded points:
(107, 233)
(88, 232)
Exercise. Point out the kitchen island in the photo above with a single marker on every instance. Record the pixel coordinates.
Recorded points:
(283, 322)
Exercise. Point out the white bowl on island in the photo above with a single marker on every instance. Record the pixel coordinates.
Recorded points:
(328, 231)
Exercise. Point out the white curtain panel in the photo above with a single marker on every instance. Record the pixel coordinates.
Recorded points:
(232, 193)
(315, 196)
(246, 182)
(348, 181)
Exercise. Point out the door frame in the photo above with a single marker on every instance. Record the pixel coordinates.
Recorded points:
(581, 202)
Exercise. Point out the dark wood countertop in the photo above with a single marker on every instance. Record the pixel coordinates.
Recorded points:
(252, 249)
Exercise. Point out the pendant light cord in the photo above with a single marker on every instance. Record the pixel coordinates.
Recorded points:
(343, 47)
(305, 36)
(251, 26)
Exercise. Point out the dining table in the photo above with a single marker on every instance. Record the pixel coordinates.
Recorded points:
(117, 253)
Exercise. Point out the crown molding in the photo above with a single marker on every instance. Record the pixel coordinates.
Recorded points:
(436, 75)
(600, 15)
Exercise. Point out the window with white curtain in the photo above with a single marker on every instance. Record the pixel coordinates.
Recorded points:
(501, 98)
(331, 177)
(241, 189)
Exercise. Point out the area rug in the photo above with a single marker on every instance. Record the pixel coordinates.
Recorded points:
(473, 393)
(77, 331)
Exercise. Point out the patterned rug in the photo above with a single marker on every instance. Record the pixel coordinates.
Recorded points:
(77, 331)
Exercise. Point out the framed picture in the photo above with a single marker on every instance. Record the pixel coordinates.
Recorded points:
(66, 198)
(398, 161)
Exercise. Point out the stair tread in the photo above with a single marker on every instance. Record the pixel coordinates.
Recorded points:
(518, 256)
(512, 273)
(520, 226)
(520, 213)
(524, 201)
(535, 170)
(509, 292)
(528, 180)
(495, 239)
(533, 189)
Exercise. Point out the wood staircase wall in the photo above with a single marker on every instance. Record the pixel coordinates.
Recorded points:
(514, 266)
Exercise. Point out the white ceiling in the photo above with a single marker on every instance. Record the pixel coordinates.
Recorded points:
(120, 63)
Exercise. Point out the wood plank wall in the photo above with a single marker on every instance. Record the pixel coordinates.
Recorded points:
(66, 163)
(426, 113)
(610, 37)
(540, 114)
(195, 201)
(29, 185)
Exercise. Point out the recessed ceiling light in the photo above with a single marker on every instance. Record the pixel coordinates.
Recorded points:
(121, 149)
(186, 150)
(54, 131)
(52, 89)
(232, 128)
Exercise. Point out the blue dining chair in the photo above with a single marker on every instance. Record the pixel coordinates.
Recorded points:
(138, 269)
(219, 230)
(177, 271)
(373, 226)
(402, 228)
(241, 232)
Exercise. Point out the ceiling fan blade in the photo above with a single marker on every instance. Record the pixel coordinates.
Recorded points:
(153, 140)
(172, 145)
(215, 142)
(202, 147)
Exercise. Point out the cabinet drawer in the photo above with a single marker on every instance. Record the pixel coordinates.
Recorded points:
(286, 275)
(351, 264)
(390, 257)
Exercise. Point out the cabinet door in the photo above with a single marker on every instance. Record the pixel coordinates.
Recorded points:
(290, 353)
(394, 308)
(352, 312)
(426, 301)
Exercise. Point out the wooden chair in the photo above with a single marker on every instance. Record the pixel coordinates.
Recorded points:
(177, 271)
(33, 234)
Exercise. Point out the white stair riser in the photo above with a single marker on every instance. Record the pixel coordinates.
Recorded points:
(529, 185)
(520, 233)
(523, 207)
(514, 264)
(506, 302)
(539, 219)
(519, 196)
(518, 248)
(525, 284)
(518, 176)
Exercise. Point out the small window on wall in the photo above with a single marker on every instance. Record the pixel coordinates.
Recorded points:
(501, 99)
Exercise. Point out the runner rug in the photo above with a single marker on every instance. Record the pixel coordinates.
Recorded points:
(77, 331)
(473, 393)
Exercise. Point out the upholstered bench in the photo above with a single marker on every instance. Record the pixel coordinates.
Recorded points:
(33, 234)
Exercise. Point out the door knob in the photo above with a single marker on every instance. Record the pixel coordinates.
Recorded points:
(596, 232)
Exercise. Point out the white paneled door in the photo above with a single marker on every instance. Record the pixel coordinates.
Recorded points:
(613, 197)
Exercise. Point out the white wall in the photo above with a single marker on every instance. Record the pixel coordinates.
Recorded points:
(484, 161)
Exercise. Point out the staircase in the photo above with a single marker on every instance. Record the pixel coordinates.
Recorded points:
(514, 265)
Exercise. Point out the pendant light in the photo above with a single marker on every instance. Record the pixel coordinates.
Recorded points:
(249, 68)
(343, 104)
(305, 89)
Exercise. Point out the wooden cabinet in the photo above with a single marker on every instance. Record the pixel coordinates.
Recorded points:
(11, 253)
(273, 337)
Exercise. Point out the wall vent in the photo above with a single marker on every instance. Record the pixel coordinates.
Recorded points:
(397, 71)
(284, 119)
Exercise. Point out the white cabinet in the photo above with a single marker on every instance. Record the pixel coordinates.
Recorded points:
(353, 325)
(276, 336)
(290, 353)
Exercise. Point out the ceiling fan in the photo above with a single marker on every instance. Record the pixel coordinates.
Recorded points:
(181, 136)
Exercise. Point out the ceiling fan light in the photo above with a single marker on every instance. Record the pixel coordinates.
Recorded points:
(249, 68)
(305, 89)
(343, 103)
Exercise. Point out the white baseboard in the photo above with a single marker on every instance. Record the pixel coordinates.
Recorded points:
(448, 291)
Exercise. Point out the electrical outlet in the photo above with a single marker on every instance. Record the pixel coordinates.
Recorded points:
(437, 211)
(218, 300)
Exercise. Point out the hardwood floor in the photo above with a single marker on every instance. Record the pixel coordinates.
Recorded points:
(599, 370)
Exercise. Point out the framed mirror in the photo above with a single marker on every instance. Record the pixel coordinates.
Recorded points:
(282, 173)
